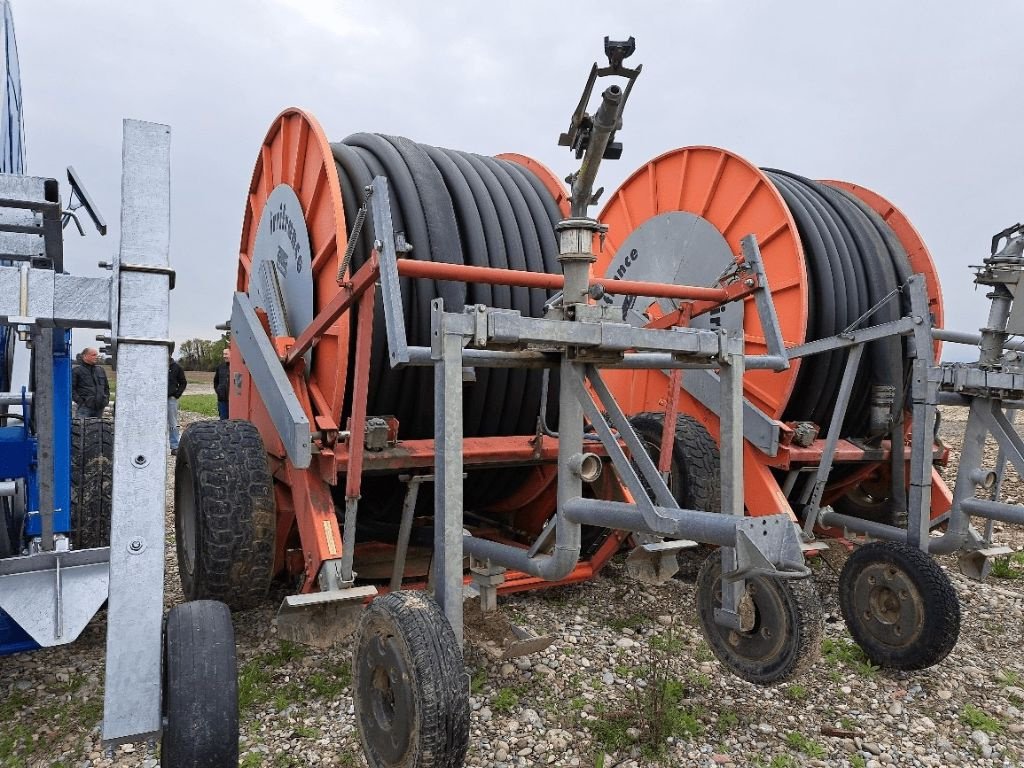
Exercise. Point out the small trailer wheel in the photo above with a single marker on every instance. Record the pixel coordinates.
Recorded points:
(224, 513)
(899, 605)
(410, 687)
(200, 688)
(786, 636)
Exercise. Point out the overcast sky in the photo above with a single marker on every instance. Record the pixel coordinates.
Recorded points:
(920, 101)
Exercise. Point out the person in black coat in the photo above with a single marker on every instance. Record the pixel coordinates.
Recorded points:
(222, 384)
(90, 390)
(176, 384)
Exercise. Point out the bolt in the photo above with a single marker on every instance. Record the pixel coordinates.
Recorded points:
(139, 461)
(749, 282)
(136, 545)
(378, 245)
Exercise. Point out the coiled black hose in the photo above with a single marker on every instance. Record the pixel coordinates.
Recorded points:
(855, 264)
(458, 208)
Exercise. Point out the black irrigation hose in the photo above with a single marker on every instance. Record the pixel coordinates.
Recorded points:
(854, 261)
(458, 208)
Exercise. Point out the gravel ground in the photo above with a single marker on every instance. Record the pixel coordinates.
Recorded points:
(584, 701)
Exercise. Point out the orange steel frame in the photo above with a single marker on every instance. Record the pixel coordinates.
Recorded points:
(304, 501)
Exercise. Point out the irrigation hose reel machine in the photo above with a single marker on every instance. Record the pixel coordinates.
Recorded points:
(375, 270)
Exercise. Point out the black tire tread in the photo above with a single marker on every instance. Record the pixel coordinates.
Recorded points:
(92, 481)
(696, 452)
(224, 463)
(804, 603)
(200, 688)
(443, 691)
(942, 606)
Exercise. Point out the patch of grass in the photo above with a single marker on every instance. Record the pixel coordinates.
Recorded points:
(726, 721)
(251, 760)
(12, 705)
(978, 720)
(306, 732)
(506, 698)
(841, 651)
(702, 653)
(331, 682)
(623, 671)
(700, 681)
(667, 643)
(1009, 677)
(253, 685)
(801, 743)
(783, 761)
(1008, 566)
(478, 681)
(635, 621)
(16, 746)
(848, 723)
(858, 761)
(796, 692)
(205, 405)
(285, 760)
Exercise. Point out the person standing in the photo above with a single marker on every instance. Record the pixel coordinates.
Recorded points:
(176, 384)
(222, 384)
(90, 390)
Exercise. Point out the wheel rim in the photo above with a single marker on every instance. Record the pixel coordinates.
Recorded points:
(387, 697)
(767, 638)
(887, 605)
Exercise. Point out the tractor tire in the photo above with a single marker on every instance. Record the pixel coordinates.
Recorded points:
(695, 474)
(409, 684)
(224, 513)
(200, 688)
(92, 482)
(899, 605)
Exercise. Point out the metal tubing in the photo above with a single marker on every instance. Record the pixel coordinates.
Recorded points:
(706, 527)
(971, 339)
(566, 552)
(994, 510)
(14, 398)
(437, 270)
(490, 358)
(605, 120)
(943, 545)
(832, 439)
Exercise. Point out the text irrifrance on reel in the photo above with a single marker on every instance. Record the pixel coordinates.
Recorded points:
(408, 315)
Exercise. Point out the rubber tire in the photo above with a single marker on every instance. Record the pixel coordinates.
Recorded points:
(854, 505)
(224, 502)
(414, 628)
(92, 482)
(695, 474)
(941, 627)
(200, 688)
(804, 619)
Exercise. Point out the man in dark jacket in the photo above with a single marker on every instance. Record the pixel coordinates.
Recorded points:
(89, 388)
(176, 384)
(222, 384)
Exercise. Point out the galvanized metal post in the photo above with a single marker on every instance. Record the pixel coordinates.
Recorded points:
(132, 700)
(731, 453)
(448, 493)
(924, 394)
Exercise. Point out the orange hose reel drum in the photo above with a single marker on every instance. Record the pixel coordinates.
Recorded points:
(294, 216)
(680, 219)
(921, 261)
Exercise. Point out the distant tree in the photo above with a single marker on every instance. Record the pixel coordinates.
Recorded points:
(202, 354)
